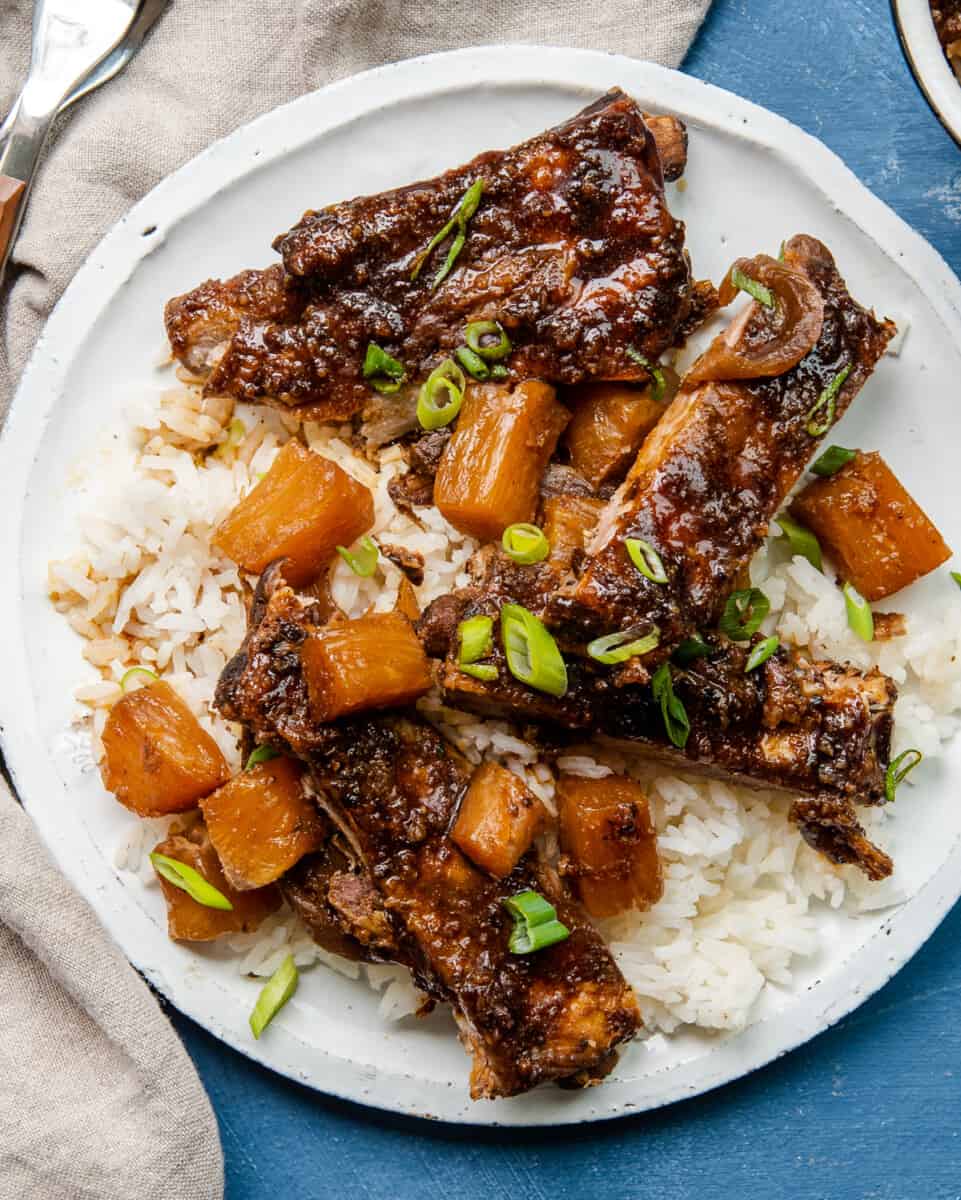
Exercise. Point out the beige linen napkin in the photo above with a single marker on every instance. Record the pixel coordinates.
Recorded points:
(97, 1098)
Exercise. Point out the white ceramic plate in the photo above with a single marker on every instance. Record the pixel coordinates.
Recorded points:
(753, 180)
(926, 58)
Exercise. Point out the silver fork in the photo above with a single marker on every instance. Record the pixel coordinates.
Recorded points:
(76, 47)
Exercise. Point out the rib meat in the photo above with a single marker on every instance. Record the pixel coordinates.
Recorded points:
(713, 473)
(393, 788)
(573, 249)
(810, 728)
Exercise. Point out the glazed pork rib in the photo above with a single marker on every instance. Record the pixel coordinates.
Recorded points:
(393, 787)
(572, 249)
(750, 415)
(808, 728)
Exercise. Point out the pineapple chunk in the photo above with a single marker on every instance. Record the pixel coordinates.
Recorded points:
(607, 833)
(302, 509)
(498, 819)
(261, 822)
(189, 921)
(157, 758)
(878, 536)
(491, 470)
(610, 422)
(375, 661)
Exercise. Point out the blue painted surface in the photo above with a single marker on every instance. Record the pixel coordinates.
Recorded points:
(871, 1110)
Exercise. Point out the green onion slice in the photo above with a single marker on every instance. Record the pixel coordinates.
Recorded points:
(647, 560)
(137, 677)
(695, 647)
(190, 881)
(472, 363)
(386, 374)
(532, 654)
(761, 653)
(363, 561)
(758, 292)
(476, 639)
(262, 754)
(489, 351)
(676, 721)
(499, 371)
(441, 395)
(955, 575)
(485, 672)
(535, 923)
(801, 540)
(832, 460)
(743, 614)
(619, 647)
(896, 772)
(274, 995)
(860, 617)
(658, 382)
(525, 543)
(461, 215)
(828, 400)
(236, 432)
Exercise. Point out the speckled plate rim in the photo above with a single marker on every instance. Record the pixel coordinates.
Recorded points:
(931, 70)
(900, 934)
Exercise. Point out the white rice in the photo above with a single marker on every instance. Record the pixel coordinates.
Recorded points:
(742, 890)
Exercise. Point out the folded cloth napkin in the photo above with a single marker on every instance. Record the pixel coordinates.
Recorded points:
(97, 1097)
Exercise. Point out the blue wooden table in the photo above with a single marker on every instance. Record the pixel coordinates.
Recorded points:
(871, 1110)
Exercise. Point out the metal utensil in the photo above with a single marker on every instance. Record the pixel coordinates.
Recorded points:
(71, 40)
(147, 16)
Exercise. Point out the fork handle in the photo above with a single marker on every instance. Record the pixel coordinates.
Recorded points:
(13, 193)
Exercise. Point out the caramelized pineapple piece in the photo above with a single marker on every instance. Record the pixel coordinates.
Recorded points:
(261, 822)
(498, 819)
(157, 758)
(567, 522)
(302, 510)
(871, 527)
(610, 422)
(406, 602)
(608, 836)
(491, 469)
(375, 661)
(189, 921)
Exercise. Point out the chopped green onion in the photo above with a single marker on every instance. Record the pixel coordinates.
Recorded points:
(647, 560)
(525, 543)
(955, 575)
(261, 755)
(780, 253)
(832, 460)
(274, 995)
(744, 283)
(489, 351)
(658, 382)
(190, 881)
(386, 374)
(619, 647)
(761, 653)
(486, 672)
(476, 639)
(441, 395)
(137, 677)
(674, 713)
(461, 215)
(532, 654)
(743, 614)
(472, 363)
(498, 371)
(896, 773)
(535, 923)
(801, 540)
(363, 562)
(829, 400)
(695, 647)
(860, 617)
